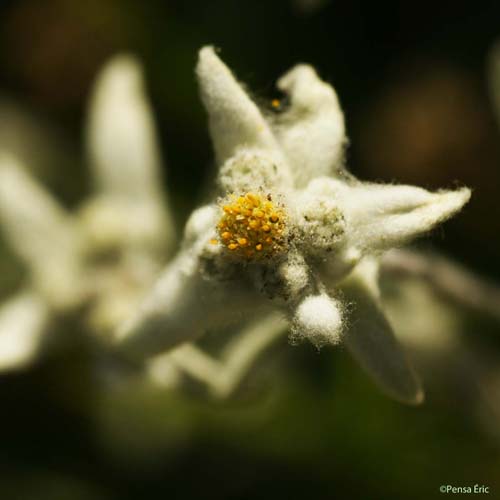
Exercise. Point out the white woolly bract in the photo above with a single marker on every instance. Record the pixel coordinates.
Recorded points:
(381, 217)
(183, 305)
(312, 131)
(378, 217)
(318, 319)
(295, 274)
(235, 122)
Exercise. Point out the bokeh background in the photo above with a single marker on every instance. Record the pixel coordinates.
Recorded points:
(413, 81)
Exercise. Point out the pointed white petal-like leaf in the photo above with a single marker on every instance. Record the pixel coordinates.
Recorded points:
(370, 339)
(379, 217)
(235, 122)
(121, 136)
(183, 305)
(23, 320)
(175, 311)
(124, 155)
(312, 130)
(40, 232)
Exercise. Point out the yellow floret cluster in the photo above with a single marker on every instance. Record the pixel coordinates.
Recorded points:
(252, 225)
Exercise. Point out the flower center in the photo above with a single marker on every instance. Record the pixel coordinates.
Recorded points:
(252, 225)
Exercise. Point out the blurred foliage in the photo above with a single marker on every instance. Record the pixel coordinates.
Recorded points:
(412, 80)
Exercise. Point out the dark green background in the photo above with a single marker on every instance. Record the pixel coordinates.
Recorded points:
(412, 78)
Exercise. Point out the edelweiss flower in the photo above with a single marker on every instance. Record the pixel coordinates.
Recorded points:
(291, 231)
(101, 259)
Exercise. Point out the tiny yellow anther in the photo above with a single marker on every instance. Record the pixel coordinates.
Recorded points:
(253, 199)
(258, 247)
(226, 235)
(266, 228)
(242, 241)
(232, 246)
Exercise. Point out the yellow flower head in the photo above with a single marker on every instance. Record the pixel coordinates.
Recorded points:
(252, 225)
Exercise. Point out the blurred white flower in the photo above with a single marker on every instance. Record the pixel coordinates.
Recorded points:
(102, 258)
(292, 231)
